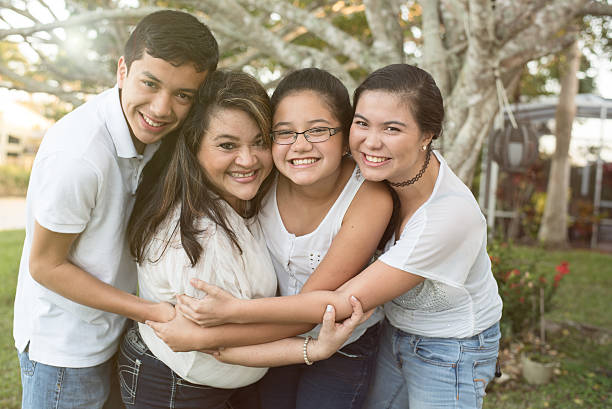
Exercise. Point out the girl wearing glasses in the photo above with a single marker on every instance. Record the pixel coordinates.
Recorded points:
(440, 338)
(322, 223)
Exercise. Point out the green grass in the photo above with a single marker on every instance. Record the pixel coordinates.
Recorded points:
(11, 243)
(584, 296)
(585, 378)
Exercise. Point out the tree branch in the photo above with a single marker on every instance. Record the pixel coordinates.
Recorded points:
(383, 21)
(29, 85)
(322, 28)
(434, 54)
(596, 8)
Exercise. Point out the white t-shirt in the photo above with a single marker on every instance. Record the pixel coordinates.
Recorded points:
(163, 275)
(445, 241)
(83, 181)
(295, 258)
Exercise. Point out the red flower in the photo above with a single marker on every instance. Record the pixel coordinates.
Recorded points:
(516, 272)
(563, 268)
(522, 300)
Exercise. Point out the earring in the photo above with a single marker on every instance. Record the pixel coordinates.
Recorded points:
(424, 147)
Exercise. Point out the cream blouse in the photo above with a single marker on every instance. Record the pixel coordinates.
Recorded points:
(163, 275)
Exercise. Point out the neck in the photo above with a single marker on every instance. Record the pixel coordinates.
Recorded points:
(412, 196)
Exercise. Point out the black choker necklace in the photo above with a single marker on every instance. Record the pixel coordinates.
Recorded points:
(418, 175)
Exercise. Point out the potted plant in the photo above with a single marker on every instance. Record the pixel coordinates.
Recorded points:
(537, 361)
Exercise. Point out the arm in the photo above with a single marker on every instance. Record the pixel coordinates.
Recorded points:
(50, 267)
(364, 223)
(375, 285)
(290, 350)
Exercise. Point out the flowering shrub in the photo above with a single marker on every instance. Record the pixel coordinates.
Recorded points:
(519, 281)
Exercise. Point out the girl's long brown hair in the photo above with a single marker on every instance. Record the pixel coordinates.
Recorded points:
(174, 175)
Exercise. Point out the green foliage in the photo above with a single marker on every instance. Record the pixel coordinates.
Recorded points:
(13, 180)
(522, 280)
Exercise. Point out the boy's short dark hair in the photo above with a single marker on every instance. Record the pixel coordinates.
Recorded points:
(176, 37)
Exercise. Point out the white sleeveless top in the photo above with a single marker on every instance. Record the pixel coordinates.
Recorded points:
(164, 274)
(295, 258)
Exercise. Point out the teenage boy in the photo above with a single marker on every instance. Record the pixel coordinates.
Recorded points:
(77, 278)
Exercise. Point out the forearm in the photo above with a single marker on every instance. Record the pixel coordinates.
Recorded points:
(304, 307)
(77, 285)
(286, 351)
(237, 335)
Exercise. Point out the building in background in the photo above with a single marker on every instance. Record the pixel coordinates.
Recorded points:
(21, 132)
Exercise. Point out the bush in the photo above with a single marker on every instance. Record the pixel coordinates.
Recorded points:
(13, 180)
(520, 279)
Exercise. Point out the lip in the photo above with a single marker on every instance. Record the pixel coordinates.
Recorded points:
(151, 128)
(244, 179)
(372, 163)
(303, 165)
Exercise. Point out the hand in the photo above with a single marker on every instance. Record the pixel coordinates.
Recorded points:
(161, 312)
(180, 334)
(333, 335)
(213, 309)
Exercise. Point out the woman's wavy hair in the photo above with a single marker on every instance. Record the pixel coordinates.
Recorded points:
(181, 179)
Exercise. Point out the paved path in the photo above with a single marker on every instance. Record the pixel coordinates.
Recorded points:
(12, 213)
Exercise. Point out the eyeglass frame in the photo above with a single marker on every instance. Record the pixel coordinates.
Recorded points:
(331, 132)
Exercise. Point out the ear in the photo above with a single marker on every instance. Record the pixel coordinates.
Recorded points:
(427, 138)
(122, 71)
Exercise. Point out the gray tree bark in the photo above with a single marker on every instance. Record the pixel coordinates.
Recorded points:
(553, 230)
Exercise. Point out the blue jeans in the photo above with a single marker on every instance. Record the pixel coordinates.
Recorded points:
(419, 372)
(340, 382)
(46, 386)
(146, 382)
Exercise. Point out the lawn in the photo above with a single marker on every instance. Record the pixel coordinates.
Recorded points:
(10, 383)
(584, 379)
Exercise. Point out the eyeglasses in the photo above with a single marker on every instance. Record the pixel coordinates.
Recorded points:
(312, 135)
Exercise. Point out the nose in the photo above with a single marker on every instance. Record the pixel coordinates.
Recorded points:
(161, 106)
(246, 158)
(301, 144)
(372, 140)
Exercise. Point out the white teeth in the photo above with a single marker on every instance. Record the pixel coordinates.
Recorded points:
(376, 159)
(242, 175)
(151, 122)
(307, 161)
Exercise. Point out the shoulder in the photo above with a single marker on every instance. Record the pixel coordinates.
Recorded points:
(81, 130)
(372, 199)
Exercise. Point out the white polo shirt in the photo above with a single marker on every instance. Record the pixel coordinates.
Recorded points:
(83, 181)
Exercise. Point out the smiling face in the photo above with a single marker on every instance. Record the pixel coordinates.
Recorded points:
(303, 162)
(234, 156)
(156, 96)
(385, 140)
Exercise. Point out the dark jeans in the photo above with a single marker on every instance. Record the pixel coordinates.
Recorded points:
(340, 382)
(147, 383)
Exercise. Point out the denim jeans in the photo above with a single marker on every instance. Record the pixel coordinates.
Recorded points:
(146, 382)
(419, 372)
(46, 386)
(339, 382)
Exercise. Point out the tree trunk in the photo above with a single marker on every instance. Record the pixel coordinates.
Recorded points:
(553, 230)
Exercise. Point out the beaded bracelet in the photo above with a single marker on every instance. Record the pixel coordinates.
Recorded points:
(305, 350)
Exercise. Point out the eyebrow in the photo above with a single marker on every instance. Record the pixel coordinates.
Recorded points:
(393, 122)
(154, 78)
(308, 122)
(233, 137)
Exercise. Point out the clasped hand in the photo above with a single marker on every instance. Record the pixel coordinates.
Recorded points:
(214, 309)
